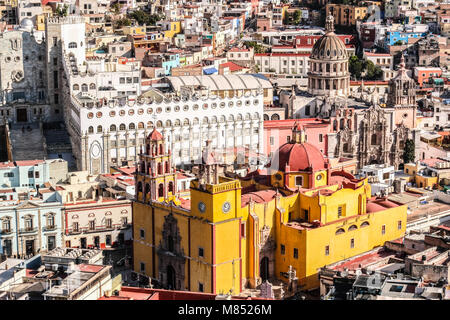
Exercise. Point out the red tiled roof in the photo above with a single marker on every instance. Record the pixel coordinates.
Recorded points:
(155, 135)
(282, 54)
(232, 66)
(261, 196)
(300, 157)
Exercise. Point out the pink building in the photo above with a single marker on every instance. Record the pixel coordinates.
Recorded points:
(278, 132)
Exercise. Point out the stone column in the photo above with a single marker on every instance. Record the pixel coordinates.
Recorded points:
(117, 148)
(106, 152)
(126, 145)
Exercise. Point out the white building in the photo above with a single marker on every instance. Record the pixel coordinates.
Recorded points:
(293, 64)
(381, 177)
(111, 130)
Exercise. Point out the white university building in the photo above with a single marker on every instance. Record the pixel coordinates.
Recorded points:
(108, 117)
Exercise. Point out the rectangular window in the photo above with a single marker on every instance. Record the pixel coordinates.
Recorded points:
(282, 249)
(142, 233)
(320, 137)
(295, 253)
(56, 102)
(200, 287)
(92, 225)
(124, 221)
(75, 227)
(108, 223)
(8, 174)
(142, 267)
(383, 229)
(272, 139)
(339, 211)
(243, 230)
(36, 174)
(352, 243)
(201, 252)
(327, 250)
(30, 174)
(399, 225)
(55, 79)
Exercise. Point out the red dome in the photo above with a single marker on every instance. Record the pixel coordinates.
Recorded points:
(155, 135)
(299, 157)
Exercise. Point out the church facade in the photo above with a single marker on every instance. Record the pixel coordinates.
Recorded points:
(372, 134)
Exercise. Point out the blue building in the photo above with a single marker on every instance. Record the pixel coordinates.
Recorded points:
(30, 173)
(30, 209)
(393, 36)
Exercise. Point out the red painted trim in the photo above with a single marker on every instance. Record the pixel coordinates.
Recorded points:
(99, 206)
(213, 252)
(189, 254)
(240, 256)
(153, 243)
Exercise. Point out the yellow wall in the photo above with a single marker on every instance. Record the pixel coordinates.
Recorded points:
(175, 28)
(231, 257)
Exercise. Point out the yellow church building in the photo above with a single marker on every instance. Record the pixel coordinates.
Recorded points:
(234, 234)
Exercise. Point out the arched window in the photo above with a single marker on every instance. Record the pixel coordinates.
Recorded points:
(171, 187)
(161, 190)
(341, 124)
(99, 129)
(266, 117)
(364, 224)
(166, 166)
(340, 231)
(160, 168)
(76, 87)
(91, 129)
(147, 188)
(112, 128)
(84, 87)
(161, 149)
(72, 45)
(92, 86)
(275, 116)
(131, 126)
(122, 127)
(352, 227)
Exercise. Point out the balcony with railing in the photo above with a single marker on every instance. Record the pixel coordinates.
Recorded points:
(28, 230)
(49, 228)
(5, 232)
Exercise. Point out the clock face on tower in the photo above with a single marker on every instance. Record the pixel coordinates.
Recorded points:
(226, 207)
(201, 207)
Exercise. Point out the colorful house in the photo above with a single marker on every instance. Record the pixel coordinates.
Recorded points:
(284, 222)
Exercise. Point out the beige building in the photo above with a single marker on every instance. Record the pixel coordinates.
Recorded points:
(101, 223)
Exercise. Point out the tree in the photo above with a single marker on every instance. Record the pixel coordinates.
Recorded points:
(62, 12)
(122, 22)
(373, 72)
(257, 47)
(297, 16)
(143, 17)
(409, 153)
(355, 67)
(115, 8)
(398, 43)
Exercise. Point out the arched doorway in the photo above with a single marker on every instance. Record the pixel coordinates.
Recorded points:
(264, 269)
(171, 278)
